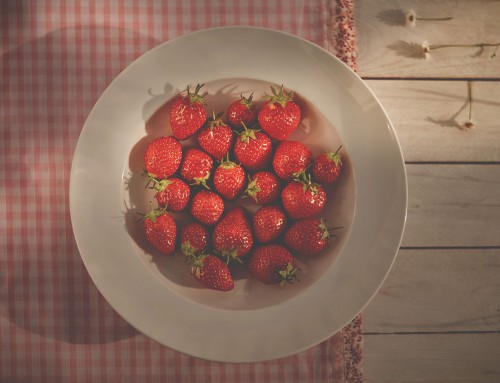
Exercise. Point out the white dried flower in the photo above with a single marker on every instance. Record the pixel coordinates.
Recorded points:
(426, 50)
(411, 18)
(468, 125)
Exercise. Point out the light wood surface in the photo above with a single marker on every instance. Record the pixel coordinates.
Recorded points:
(453, 205)
(432, 358)
(389, 48)
(429, 116)
(439, 290)
(437, 316)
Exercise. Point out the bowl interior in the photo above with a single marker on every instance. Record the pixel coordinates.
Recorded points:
(249, 294)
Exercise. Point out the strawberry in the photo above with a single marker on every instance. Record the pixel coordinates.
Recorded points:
(216, 138)
(187, 113)
(163, 157)
(232, 237)
(253, 149)
(207, 207)
(303, 198)
(194, 239)
(212, 273)
(307, 236)
(229, 180)
(280, 115)
(326, 167)
(291, 157)
(272, 264)
(173, 193)
(242, 111)
(269, 222)
(263, 187)
(196, 166)
(160, 230)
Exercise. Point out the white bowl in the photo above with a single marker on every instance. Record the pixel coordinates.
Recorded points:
(253, 322)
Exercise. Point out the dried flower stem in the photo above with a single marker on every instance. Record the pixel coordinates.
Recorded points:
(494, 52)
(412, 17)
(469, 124)
(433, 18)
(469, 88)
(478, 45)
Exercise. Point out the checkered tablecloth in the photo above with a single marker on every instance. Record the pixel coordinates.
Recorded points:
(57, 57)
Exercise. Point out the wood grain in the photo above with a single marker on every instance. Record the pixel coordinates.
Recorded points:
(443, 358)
(437, 316)
(438, 290)
(387, 47)
(453, 205)
(429, 118)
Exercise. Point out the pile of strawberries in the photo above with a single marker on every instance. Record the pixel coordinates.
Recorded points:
(246, 154)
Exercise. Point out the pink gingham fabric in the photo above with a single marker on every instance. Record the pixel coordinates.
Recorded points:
(57, 57)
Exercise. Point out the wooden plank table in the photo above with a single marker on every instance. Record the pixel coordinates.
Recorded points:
(437, 316)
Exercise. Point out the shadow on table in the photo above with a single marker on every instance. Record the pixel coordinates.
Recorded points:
(393, 17)
(44, 286)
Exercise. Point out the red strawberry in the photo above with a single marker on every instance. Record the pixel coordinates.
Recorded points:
(212, 273)
(194, 239)
(163, 157)
(216, 138)
(187, 113)
(253, 149)
(229, 180)
(196, 166)
(160, 230)
(291, 157)
(326, 167)
(264, 187)
(173, 193)
(269, 222)
(242, 111)
(280, 115)
(303, 199)
(307, 236)
(272, 264)
(232, 237)
(207, 207)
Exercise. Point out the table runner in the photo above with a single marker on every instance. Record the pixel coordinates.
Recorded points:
(57, 57)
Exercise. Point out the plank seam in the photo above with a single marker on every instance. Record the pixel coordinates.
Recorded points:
(405, 78)
(433, 332)
(452, 162)
(494, 247)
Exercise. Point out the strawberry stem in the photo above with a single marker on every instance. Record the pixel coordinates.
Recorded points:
(201, 181)
(196, 97)
(337, 151)
(153, 213)
(187, 250)
(227, 163)
(252, 188)
(305, 179)
(197, 264)
(247, 134)
(230, 255)
(216, 120)
(281, 98)
(327, 231)
(158, 185)
(288, 275)
(335, 157)
(246, 101)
